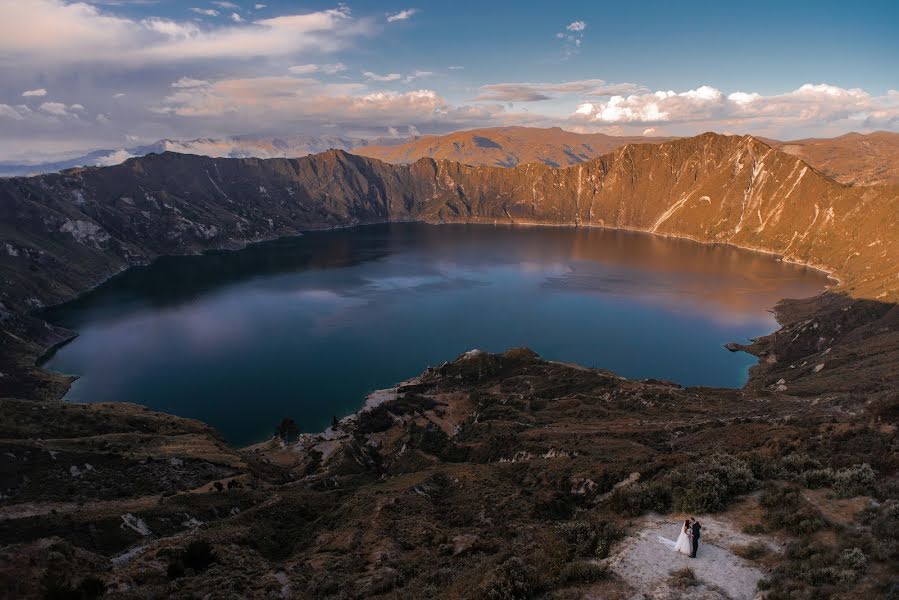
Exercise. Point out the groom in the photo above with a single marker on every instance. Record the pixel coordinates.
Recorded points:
(694, 535)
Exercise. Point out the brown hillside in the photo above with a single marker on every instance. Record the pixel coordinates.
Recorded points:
(505, 147)
(854, 158)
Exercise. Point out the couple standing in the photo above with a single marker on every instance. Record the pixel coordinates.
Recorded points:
(688, 540)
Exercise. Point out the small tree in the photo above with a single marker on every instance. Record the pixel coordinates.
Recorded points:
(287, 430)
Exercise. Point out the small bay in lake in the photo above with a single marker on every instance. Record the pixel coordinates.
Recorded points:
(307, 326)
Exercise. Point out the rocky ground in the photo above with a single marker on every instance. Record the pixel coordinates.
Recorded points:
(494, 476)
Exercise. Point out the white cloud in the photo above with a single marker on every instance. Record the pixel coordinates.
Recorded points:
(57, 33)
(327, 69)
(534, 92)
(809, 105)
(576, 26)
(387, 77)
(188, 82)
(58, 109)
(236, 18)
(227, 5)
(455, 68)
(259, 6)
(417, 75)
(209, 12)
(113, 158)
(38, 93)
(273, 101)
(11, 112)
(401, 15)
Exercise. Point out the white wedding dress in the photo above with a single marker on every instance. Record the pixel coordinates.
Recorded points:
(684, 544)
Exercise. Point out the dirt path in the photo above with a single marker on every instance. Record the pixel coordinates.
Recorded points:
(645, 562)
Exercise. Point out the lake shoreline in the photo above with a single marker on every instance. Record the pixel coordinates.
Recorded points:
(640, 235)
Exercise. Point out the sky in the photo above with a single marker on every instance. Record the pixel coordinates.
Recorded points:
(119, 73)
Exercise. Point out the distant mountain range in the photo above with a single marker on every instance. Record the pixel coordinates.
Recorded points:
(851, 159)
(505, 147)
(246, 146)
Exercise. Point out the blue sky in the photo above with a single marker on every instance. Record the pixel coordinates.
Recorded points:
(119, 72)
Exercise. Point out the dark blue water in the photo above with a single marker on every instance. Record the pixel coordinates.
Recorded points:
(306, 327)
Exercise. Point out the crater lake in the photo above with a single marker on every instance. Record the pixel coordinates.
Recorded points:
(306, 327)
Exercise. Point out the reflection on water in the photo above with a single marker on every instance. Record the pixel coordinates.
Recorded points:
(306, 326)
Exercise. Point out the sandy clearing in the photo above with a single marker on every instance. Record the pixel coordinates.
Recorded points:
(645, 563)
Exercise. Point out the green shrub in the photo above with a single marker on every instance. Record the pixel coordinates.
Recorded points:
(752, 550)
(792, 465)
(817, 478)
(589, 539)
(583, 572)
(855, 480)
(785, 508)
(512, 579)
(710, 484)
(683, 579)
(754, 528)
(638, 498)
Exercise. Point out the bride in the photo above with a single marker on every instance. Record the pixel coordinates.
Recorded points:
(683, 544)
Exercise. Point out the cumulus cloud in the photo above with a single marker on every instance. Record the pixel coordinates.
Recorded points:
(58, 33)
(327, 69)
(113, 158)
(815, 104)
(15, 113)
(535, 92)
(208, 12)
(401, 15)
(38, 93)
(236, 18)
(573, 37)
(58, 109)
(387, 77)
(270, 101)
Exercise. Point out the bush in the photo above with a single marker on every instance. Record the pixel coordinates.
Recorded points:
(511, 580)
(583, 572)
(851, 481)
(683, 579)
(712, 483)
(792, 465)
(752, 550)
(638, 498)
(589, 539)
(855, 480)
(754, 528)
(785, 508)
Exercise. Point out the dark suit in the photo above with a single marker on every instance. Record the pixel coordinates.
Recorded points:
(696, 533)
